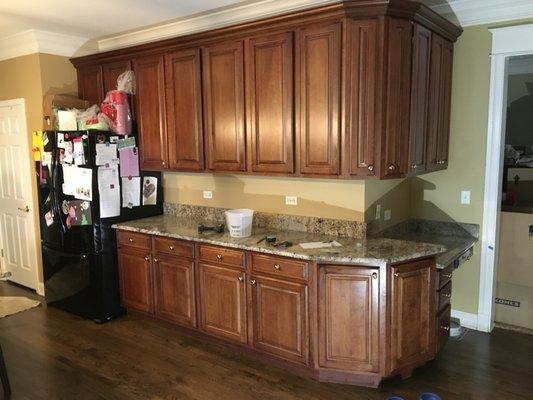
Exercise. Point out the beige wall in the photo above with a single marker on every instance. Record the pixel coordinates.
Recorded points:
(30, 77)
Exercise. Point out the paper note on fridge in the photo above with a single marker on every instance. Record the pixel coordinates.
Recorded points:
(78, 152)
(78, 182)
(106, 153)
(129, 162)
(131, 192)
(126, 142)
(109, 191)
(149, 190)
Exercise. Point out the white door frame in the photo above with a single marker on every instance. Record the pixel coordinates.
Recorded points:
(506, 42)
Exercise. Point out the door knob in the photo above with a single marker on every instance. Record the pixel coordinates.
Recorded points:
(374, 275)
(392, 167)
(25, 209)
(371, 168)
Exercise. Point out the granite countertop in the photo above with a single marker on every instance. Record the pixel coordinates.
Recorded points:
(358, 251)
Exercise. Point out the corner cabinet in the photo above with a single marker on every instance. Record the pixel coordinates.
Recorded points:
(353, 90)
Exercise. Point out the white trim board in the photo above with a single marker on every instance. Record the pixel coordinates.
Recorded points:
(468, 320)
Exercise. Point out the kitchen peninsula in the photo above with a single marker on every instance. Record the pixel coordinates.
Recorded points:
(358, 313)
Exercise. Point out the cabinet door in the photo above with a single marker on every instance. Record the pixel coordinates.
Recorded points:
(222, 302)
(439, 103)
(135, 273)
(184, 110)
(349, 318)
(111, 72)
(419, 99)
(398, 66)
(150, 111)
(319, 78)
(174, 289)
(223, 81)
(270, 102)
(280, 324)
(362, 140)
(90, 86)
(413, 313)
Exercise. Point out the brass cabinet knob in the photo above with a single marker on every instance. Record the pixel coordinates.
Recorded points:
(163, 163)
(396, 274)
(374, 275)
(413, 166)
(277, 266)
(131, 240)
(252, 282)
(371, 168)
(219, 256)
(240, 278)
(392, 167)
(156, 260)
(147, 258)
(171, 247)
(447, 295)
(445, 328)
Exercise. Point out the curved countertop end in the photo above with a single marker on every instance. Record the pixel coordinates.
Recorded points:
(357, 251)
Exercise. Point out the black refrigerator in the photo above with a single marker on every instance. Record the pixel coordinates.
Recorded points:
(80, 260)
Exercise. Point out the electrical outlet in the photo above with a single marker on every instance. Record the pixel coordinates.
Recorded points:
(465, 196)
(208, 194)
(387, 215)
(291, 200)
(378, 211)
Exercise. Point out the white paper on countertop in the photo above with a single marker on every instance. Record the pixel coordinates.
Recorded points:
(109, 190)
(131, 192)
(320, 245)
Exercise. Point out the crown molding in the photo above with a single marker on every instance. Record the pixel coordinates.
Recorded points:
(480, 12)
(39, 41)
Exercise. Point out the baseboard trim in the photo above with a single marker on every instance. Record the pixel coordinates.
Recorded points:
(468, 320)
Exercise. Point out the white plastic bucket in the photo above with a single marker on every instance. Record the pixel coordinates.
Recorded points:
(239, 222)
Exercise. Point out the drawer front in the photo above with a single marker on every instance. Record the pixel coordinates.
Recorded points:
(278, 266)
(444, 276)
(222, 255)
(132, 239)
(443, 327)
(444, 295)
(172, 246)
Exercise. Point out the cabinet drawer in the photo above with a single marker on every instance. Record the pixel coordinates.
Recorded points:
(443, 327)
(443, 296)
(132, 239)
(222, 255)
(444, 276)
(173, 246)
(278, 266)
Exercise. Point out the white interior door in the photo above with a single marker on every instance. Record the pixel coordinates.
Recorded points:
(17, 222)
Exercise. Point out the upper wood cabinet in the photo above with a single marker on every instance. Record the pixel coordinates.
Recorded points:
(319, 73)
(223, 79)
(150, 111)
(270, 95)
(439, 103)
(184, 110)
(350, 90)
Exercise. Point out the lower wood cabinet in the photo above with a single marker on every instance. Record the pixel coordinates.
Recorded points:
(348, 311)
(412, 316)
(174, 289)
(280, 324)
(135, 276)
(222, 295)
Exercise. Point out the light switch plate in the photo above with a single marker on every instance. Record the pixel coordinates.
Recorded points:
(465, 196)
(387, 215)
(208, 194)
(378, 211)
(291, 200)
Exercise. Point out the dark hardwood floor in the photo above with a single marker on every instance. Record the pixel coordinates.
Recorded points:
(54, 355)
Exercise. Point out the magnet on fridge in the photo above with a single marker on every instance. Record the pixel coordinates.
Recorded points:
(129, 178)
(107, 165)
(112, 186)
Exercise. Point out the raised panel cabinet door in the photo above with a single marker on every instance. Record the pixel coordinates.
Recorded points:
(90, 85)
(280, 324)
(419, 99)
(174, 289)
(362, 73)
(222, 302)
(270, 93)
(439, 103)
(319, 79)
(398, 76)
(348, 313)
(111, 71)
(135, 276)
(223, 85)
(413, 313)
(150, 111)
(184, 110)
